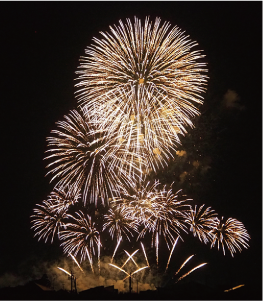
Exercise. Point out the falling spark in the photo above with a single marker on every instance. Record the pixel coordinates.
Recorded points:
(99, 245)
(157, 245)
(233, 288)
(184, 263)
(90, 260)
(171, 252)
(197, 267)
(118, 243)
(64, 271)
(76, 262)
(145, 254)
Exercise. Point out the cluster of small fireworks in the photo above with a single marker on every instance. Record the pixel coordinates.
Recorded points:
(138, 87)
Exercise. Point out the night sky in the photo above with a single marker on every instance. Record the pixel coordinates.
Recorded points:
(41, 43)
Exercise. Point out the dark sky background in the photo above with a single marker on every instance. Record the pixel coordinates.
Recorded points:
(41, 43)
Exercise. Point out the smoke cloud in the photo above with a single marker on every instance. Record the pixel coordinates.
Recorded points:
(108, 275)
(231, 100)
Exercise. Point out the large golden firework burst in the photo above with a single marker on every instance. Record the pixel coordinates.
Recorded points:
(144, 74)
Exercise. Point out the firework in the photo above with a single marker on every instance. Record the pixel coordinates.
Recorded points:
(184, 263)
(234, 288)
(141, 136)
(139, 87)
(230, 233)
(80, 236)
(63, 198)
(115, 250)
(138, 270)
(145, 254)
(201, 222)
(130, 256)
(147, 75)
(175, 242)
(48, 219)
(76, 262)
(65, 271)
(115, 266)
(158, 211)
(169, 220)
(83, 157)
(151, 206)
(118, 222)
(186, 274)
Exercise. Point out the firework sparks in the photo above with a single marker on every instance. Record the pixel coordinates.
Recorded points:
(48, 220)
(175, 242)
(115, 266)
(118, 222)
(145, 254)
(130, 256)
(145, 80)
(84, 157)
(230, 233)
(80, 236)
(139, 88)
(186, 274)
(90, 259)
(184, 263)
(159, 212)
(115, 250)
(201, 222)
(140, 269)
(76, 262)
(63, 198)
(169, 219)
(64, 271)
(233, 288)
